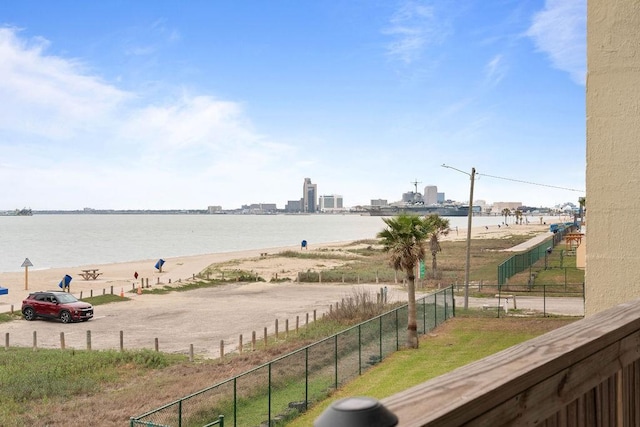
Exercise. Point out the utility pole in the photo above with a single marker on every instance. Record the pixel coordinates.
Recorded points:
(469, 217)
(467, 270)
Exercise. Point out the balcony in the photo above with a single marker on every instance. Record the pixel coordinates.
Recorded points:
(584, 374)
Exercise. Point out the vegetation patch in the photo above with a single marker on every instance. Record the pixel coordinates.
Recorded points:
(54, 376)
(8, 317)
(109, 389)
(461, 340)
(315, 255)
(105, 299)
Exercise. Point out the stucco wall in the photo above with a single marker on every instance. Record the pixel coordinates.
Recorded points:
(613, 153)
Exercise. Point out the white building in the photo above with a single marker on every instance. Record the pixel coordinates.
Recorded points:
(430, 195)
(498, 207)
(331, 203)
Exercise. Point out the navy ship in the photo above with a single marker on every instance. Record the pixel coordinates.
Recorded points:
(413, 203)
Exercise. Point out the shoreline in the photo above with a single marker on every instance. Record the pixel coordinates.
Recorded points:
(120, 275)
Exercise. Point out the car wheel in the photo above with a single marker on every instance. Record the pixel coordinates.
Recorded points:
(29, 313)
(65, 316)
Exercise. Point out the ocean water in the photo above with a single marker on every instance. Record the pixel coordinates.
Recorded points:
(73, 240)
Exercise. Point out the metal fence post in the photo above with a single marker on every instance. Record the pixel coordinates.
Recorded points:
(359, 349)
(336, 359)
(269, 398)
(235, 401)
(453, 302)
(380, 334)
(306, 378)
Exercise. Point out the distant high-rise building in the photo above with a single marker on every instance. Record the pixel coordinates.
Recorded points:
(430, 195)
(309, 196)
(441, 198)
(294, 206)
(379, 202)
(260, 208)
(330, 203)
(412, 197)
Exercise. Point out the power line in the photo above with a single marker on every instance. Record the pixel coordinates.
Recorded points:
(529, 182)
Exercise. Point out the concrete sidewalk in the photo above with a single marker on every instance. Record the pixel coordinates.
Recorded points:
(530, 243)
(560, 306)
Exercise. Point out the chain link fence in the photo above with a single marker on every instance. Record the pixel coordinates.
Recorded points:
(520, 262)
(274, 393)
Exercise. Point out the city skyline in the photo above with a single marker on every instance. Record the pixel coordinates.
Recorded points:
(165, 105)
(430, 195)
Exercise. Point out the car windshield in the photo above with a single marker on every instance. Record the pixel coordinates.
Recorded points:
(65, 298)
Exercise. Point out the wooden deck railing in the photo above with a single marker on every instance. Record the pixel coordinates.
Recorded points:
(584, 374)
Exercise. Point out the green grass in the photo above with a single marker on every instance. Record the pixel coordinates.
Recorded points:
(372, 262)
(8, 317)
(460, 341)
(471, 338)
(315, 255)
(104, 299)
(47, 375)
(235, 276)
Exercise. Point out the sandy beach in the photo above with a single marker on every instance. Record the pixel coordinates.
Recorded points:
(120, 276)
(202, 318)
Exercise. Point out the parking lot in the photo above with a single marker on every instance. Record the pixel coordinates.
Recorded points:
(200, 317)
(204, 317)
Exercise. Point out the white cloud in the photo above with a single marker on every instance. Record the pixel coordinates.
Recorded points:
(150, 39)
(559, 30)
(109, 148)
(413, 28)
(495, 70)
(47, 96)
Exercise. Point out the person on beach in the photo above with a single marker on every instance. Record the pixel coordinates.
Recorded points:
(303, 245)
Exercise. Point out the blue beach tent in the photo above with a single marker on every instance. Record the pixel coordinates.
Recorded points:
(64, 283)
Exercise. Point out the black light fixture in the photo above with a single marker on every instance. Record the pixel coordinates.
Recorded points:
(356, 412)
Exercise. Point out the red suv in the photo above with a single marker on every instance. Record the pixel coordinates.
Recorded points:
(56, 305)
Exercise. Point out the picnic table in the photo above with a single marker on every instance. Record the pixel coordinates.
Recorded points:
(90, 274)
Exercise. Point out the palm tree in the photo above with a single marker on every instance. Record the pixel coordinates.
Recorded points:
(439, 227)
(404, 240)
(506, 212)
(518, 214)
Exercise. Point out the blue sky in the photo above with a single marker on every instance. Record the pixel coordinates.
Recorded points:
(185, 104)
